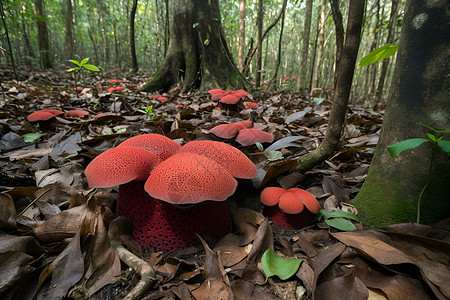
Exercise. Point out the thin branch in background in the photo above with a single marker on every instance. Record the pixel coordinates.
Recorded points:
(7, 39)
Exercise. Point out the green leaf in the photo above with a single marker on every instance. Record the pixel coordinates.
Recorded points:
(259, 146)
(379, 54)
(73, 69)
(84, 61)
(206, 42)
(31, 137)
(195, 25)
(273, 264)
(395, 149)
(318, 101)
(337, 214)
(273, 155)
(429, 127)
(75, 62)
(431, 137)
(341, 224)
(91, 67)
(445, 146)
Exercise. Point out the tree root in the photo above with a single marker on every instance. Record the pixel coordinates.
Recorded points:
(146, 271)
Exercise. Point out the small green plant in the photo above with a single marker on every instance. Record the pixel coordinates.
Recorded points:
(338, 219)
(273, 264)
(81, 66)
(31, 137)
(149, 112)
(434, 140)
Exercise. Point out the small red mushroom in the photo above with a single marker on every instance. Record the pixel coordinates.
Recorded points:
(290, 212)
(200, 172)
(43, 115)
(249, 136)
(77, 113)
(229, 131)
(252, 105)
(216, 91)
(163, 99)
(229, 99)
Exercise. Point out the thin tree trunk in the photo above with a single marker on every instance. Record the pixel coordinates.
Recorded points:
(134, 62)
(69, 44)
(166, 28)
(390, 40)
(303, 64)
(338, 111)
(41, 22)
(274, 77)
(337, 18)
(259, 43)
(241, 34)
(7, 40)
(320, 44)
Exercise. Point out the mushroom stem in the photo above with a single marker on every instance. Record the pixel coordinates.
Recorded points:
(288, 221)
(163, 226)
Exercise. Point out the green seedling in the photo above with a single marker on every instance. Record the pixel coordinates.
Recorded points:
(435, 141)
(273, 264)
(338, 219)
(80, 68)
(148, 112)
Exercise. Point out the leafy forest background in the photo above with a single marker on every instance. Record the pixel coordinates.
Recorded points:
(290, 58)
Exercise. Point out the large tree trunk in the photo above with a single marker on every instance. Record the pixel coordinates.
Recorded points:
(418, 94)
(343, 86)
(41, 22)
(198, 54)
(303, 64)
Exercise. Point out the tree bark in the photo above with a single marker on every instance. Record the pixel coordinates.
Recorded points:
(390, 40)
(280, 39)
(418, 94)
(320, 43)
(41, 23)
(259, 43)
(241, 34)
(134, 62)
(337, 18)
(69, 45)
(303, 64)
(198, 54)
(343, 86)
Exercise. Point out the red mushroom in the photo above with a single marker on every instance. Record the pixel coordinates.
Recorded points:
(43, 115)
(77, 113)
(216, 91)
(229, 131)
(229, 99)
(290, 212)
(249, 136)
(187, 176)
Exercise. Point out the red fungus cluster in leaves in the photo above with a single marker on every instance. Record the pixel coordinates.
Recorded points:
(290, 212)
(118, 89)
(228, 99)
(171, 192)
(246, 133)
(46, 114)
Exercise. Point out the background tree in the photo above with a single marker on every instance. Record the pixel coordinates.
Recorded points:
(418, 94)
(241, 34)
(41, 22)
(134, 62)
(303, 62)
(198, 53)
(69, 44)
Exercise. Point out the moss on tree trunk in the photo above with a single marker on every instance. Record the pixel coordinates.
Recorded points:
(198, 55)
(418, 94)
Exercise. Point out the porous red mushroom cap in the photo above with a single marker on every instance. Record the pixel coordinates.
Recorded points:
(249, 136)
(271, 195)
(187, 178)
(252, 105)
(229, 99)
(216, 97)
(43, 115)
(216, 91)
(290, 203)
(225, 131)
(240, 94)
(120, 165)
(77, 112)
(229, 157)
(308, 199)
(158, 144)
(244, 124)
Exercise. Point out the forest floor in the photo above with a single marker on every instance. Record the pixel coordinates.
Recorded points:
(55, 243)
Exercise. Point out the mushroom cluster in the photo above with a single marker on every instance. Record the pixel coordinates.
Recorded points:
(171, 193)
(228, 97)
(290, 213)
(46, 114)
(245, 132)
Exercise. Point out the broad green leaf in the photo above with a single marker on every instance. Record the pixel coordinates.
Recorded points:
(444, 145)
(31, 137)
(379, 54)
(337, 214)
(75, 62)
(341, 224)
(72, 69)
(273, 155)
(395, 149)
(91, 67)
(273, 264)
(318, 101)
(84, 61)
(259, 146)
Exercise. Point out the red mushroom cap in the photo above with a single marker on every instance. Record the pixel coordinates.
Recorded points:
(187, 178)
(158, 144)
(225, 131)
(252, 105)
(77, 112)
(216, 91)
(308, 200)
(43, 115)
(271, 195)
(229, 157)
(244, 124)
(216, 97)
(120, 165)
(229, 99)
(290, 203)
(163, 99)
(247, 137)
(240, 94)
